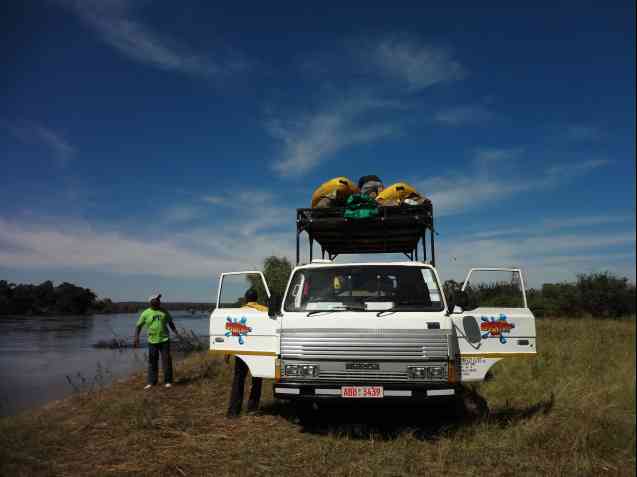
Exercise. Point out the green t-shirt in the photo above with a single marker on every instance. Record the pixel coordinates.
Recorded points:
(157, 323)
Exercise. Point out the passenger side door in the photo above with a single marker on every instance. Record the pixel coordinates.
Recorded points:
(496, 323)
(241, 326)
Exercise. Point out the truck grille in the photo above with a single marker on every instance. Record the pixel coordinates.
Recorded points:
(349, 376)
(366, 344)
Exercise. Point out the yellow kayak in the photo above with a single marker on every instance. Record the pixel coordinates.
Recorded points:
(333, 192)
(396, 194)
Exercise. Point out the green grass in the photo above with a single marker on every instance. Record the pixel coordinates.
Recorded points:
(570, 411)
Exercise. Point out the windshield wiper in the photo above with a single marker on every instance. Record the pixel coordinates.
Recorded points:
(340, 308)
(400, 305)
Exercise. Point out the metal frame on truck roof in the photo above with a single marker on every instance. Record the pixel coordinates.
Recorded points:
(396, 229)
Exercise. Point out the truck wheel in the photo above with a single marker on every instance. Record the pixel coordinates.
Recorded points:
(306, 412)
(470, 405)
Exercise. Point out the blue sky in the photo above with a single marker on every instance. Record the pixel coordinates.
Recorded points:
(150, 146)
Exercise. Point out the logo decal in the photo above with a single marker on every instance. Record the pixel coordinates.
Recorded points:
(493, 327)
(238, 328)
(363, 366)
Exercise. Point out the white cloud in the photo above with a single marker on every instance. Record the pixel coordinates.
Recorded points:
(180, 213)
(257, 227)
(465, 114)
(384, 69)
(113, 21)
(488, 156)
(552, 225)
(584, 133)
(214, 199)
(588, 220)
(81, 246)
(29, 132)
(417, 65)
(317, 137)
(456, 193)
(546, 257)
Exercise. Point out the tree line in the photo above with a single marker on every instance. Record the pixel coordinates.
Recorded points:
(70, 299)
(600, 295)
(43, 299)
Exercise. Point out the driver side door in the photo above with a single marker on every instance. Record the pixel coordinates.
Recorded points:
(241, 326)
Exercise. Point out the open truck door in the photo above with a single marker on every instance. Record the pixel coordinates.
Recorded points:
(240, 324)
(492, 322)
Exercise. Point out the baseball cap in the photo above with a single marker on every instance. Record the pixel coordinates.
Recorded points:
(155, 297)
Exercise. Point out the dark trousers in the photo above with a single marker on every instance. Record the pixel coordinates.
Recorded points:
(238, 387)
(154, 350)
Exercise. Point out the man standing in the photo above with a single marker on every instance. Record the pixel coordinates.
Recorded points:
(157, 320)
(241, 371)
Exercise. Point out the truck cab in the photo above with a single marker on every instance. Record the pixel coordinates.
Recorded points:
(366, 330)
(379, 330)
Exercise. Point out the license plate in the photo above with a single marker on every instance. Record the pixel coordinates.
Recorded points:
(362, 391)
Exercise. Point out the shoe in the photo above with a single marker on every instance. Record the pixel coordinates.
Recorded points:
(148, 386)
(168, 385)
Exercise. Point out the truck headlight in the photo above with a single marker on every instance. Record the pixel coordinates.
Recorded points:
(308, 370)
(303, 370)
(417, 372)
(427, 372)
(291, 370)
(437, 372)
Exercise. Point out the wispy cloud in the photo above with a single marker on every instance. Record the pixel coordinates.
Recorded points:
(214, 199)
(556, 224)
(196, 253)
(319, 136)
(180, 213)
(115, 24)
(584, 133)
(487, 184)
(81, 246)
(545, 257)
(464, 114)
(32, 133)
(416, 64)
(488, 156)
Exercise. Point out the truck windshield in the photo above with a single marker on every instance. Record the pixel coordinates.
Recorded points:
(370, 288)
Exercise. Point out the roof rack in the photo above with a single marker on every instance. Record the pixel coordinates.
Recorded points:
(397, 229)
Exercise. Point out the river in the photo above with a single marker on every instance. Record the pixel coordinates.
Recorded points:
(38, 355)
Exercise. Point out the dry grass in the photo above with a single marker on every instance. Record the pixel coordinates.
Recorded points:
(571, 411)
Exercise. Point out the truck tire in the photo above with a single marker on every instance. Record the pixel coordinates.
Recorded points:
(470, 405)
(307, 412)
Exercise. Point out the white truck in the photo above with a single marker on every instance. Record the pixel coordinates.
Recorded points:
(377, 330)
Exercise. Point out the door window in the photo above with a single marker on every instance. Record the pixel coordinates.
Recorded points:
(494, 288)
(237, 290)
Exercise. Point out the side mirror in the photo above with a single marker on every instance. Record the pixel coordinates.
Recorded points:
(471, 329)
(274, 305)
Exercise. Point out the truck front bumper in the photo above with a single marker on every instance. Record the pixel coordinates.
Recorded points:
(318, 390)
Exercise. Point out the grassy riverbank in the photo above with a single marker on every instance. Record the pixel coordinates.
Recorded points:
(570, 411)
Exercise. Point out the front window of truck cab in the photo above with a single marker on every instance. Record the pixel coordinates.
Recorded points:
(369, 288)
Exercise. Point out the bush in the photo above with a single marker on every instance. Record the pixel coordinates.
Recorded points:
(603, 295)
(24, 299)
(599, 295)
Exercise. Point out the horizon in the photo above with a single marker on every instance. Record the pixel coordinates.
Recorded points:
(149, 147)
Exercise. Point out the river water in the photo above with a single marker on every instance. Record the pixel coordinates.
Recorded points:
(38, 355)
